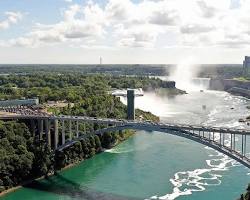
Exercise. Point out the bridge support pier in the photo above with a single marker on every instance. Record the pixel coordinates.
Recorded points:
(245, 144)
(63, 132)
(231, 141)
(220, 138)
(77, 129)
(40, 128)
(33, 127)
(234, 141)
(47, 132)
(55, 133)
(70, 130)
(242, 145)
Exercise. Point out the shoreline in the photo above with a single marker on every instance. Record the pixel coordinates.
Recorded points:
(13, 189)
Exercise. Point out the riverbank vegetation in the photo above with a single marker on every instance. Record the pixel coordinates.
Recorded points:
(88, 147)
(245, 196)
(24, 158)
(241, 78)
(20, 155)
(169, 92)
(72, 87)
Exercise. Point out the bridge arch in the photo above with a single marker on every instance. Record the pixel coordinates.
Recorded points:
(173, 131)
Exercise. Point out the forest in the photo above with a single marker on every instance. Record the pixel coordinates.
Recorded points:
(24, 158)
(71, 87)
(204, 70)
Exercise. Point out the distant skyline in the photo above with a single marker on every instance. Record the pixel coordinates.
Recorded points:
(124, 31)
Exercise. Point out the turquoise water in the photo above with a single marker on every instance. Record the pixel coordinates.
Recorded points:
(154, 165)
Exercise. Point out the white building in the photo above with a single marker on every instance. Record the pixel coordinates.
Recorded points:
(19, 102)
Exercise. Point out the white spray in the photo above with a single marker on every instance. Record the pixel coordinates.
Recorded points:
(184, 75)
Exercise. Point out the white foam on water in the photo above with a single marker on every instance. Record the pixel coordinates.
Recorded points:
(185, 183)
(196, 180)
(118, 151)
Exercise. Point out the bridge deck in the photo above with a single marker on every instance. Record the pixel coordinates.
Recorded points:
(194, 132)
(132, 122)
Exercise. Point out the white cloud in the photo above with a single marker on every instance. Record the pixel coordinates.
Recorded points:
(137, 37)
(145, 24)
(80, 29)
(78, 23)
(69, 15)
(11, 18)
(195, 28)
(119, 10)
(206, 11)
(22, 41)
(164, 17)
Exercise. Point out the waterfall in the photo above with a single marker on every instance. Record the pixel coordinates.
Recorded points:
(185, 75)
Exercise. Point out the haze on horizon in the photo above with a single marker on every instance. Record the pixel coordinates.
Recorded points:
(124, 31)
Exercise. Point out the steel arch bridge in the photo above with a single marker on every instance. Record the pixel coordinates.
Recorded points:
(231, 142)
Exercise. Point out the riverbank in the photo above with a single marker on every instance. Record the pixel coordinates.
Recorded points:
(170, 92)
(245, 196)
(13, 189)
(233, 86)
(153, 159)
(126, 135)
(237, 87)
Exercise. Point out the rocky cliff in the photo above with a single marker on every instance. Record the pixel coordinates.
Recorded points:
(233, 86)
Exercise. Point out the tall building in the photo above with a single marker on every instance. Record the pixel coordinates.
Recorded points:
(100, 60)
(130, 104)
(246, 65)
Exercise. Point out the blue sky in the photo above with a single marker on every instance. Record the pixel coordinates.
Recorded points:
(124, 31)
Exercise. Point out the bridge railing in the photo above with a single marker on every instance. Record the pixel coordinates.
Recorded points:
(232, 140)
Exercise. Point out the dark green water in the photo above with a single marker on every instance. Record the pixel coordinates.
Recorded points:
(156, 165)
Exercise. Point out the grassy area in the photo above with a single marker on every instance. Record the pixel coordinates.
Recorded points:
(241, 78)
(169, 91)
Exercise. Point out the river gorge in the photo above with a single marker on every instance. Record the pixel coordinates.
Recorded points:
(154, 165)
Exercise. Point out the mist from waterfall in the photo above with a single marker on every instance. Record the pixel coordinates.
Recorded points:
(185, 75)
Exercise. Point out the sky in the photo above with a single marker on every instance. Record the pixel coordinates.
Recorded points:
(124, 31)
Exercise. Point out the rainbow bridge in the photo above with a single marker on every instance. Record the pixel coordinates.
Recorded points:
(60, 132)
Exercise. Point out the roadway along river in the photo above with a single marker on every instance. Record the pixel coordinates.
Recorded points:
(153, 165)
